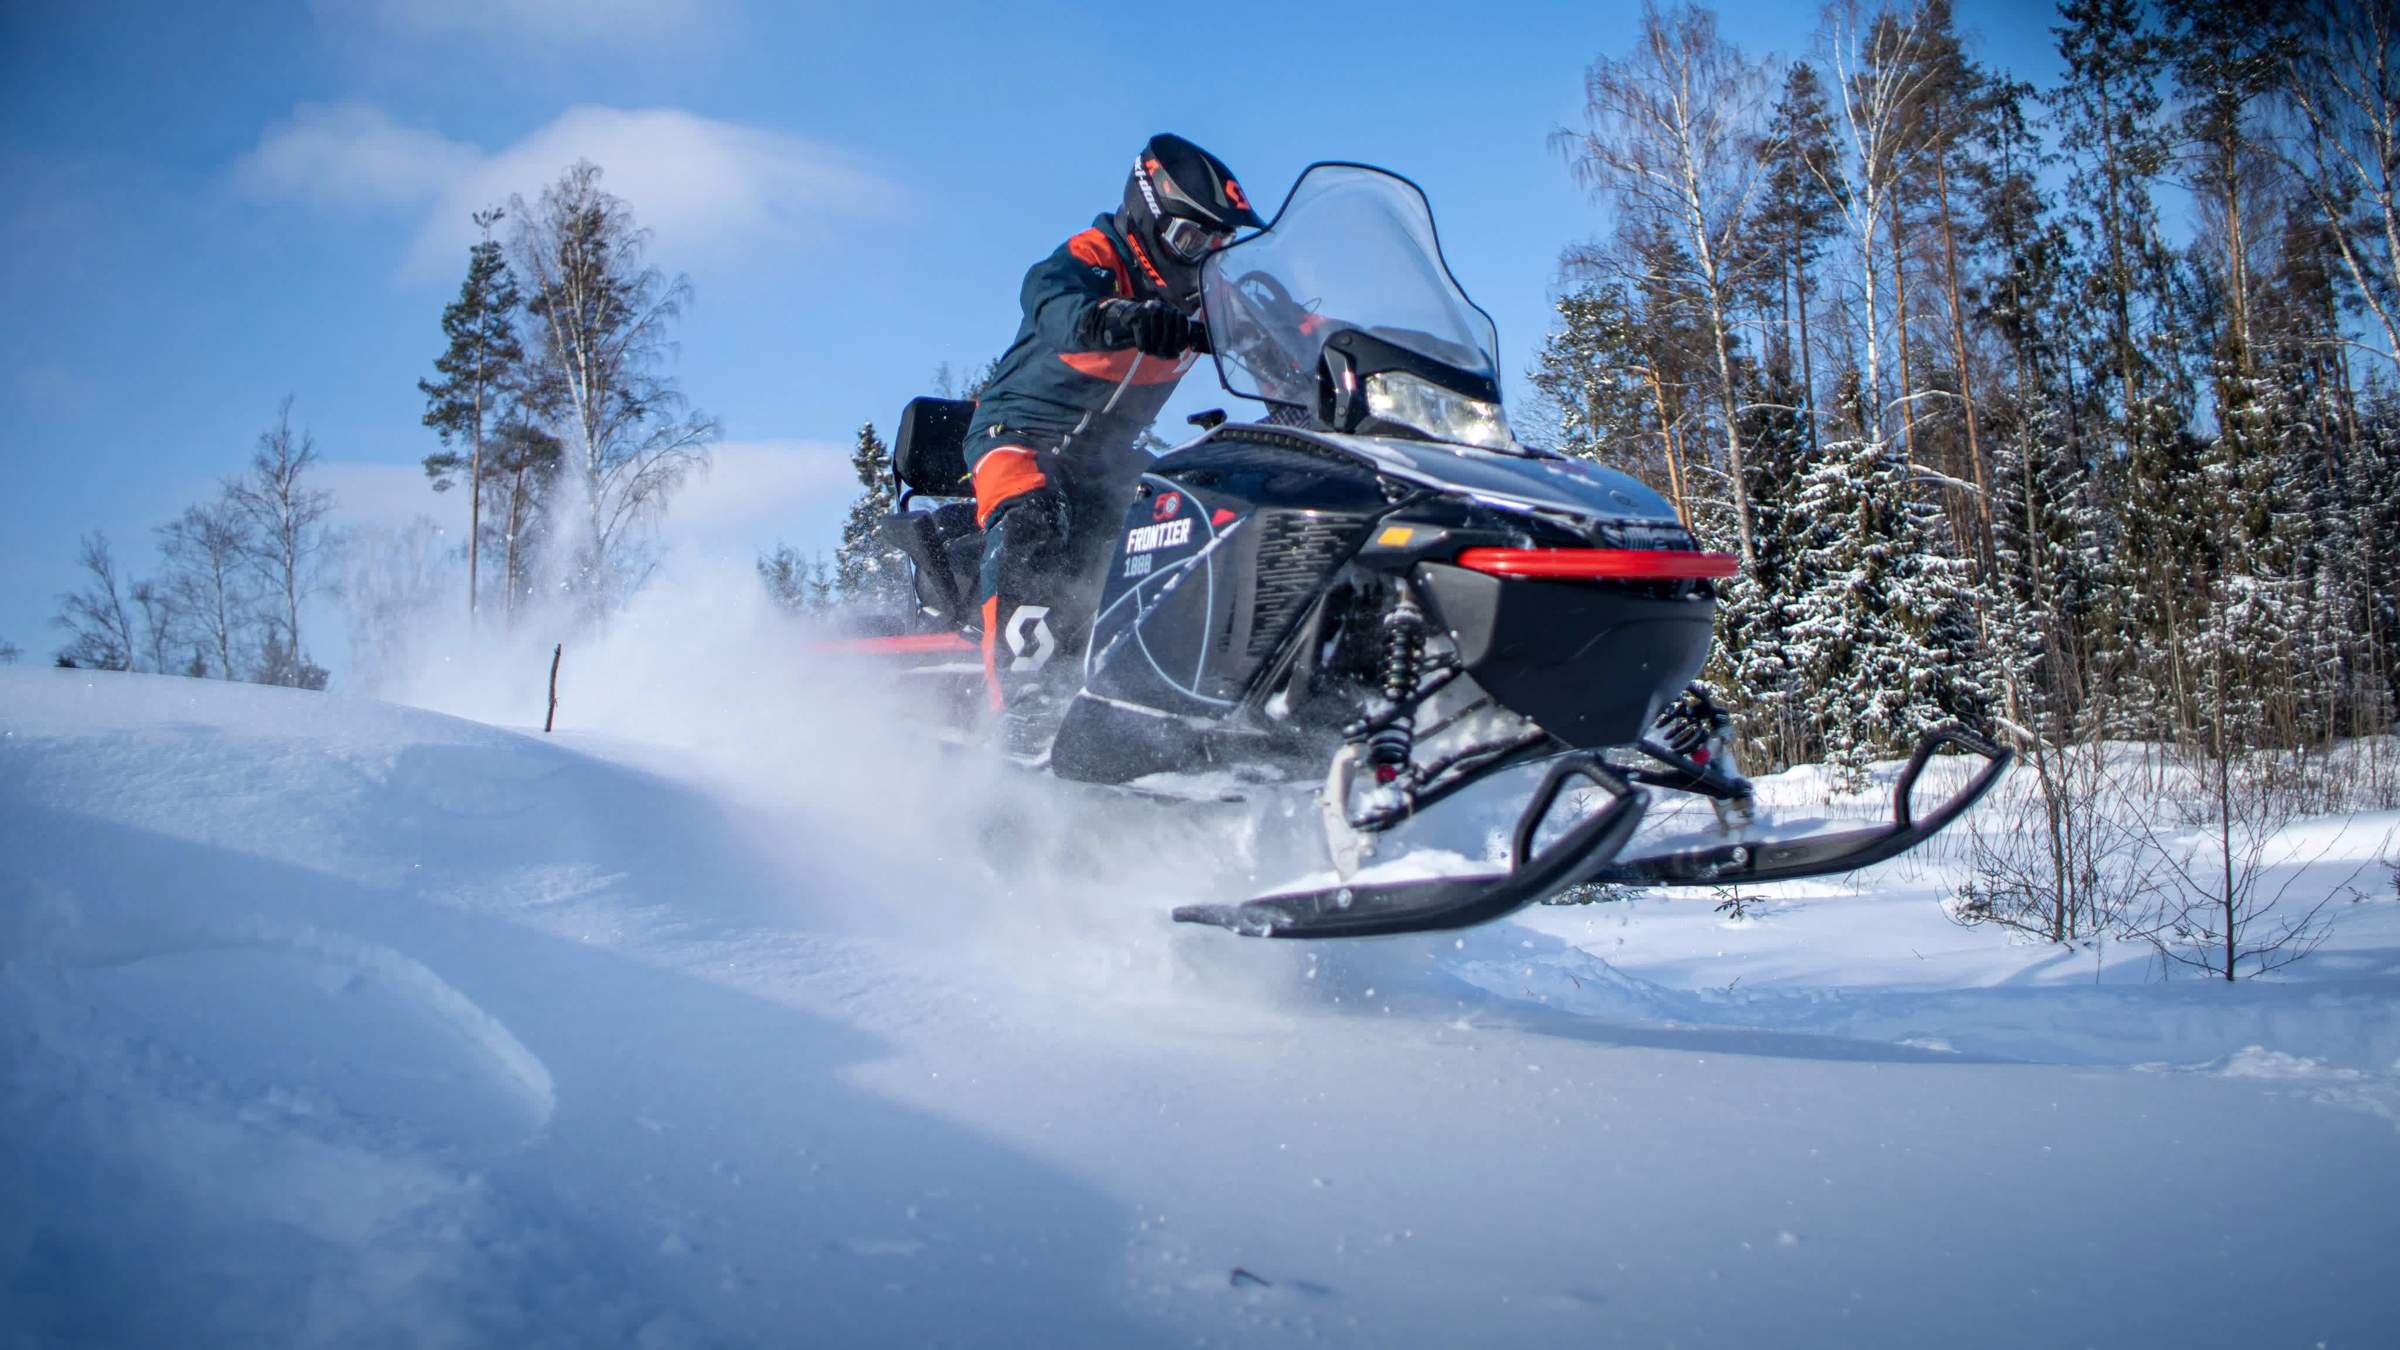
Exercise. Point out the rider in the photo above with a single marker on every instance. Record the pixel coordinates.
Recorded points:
(1111, 323)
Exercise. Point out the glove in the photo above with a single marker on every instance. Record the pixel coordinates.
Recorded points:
(1686, 724)
(1152, 327)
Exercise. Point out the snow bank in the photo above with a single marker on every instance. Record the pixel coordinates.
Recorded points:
(718, 1019)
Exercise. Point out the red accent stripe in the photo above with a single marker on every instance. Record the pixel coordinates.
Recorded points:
(1142, 256)
(1620, 564)
(902, 643)
(991, 655)
(1114, 366)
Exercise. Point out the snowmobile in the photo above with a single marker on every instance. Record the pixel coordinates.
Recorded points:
(1376, 588)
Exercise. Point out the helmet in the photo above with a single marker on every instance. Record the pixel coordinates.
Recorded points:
(1182, 202)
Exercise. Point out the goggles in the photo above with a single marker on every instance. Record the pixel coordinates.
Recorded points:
(1189, 240)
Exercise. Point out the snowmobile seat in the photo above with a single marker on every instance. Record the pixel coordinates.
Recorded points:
(945, 550)
(929, 452)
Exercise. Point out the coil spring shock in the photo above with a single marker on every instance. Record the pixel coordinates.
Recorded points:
(1389, 748)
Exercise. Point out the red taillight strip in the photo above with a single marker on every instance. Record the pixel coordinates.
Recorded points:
(1619, 564)
(905, 642)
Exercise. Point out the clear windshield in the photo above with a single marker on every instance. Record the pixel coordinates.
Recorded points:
(1353, 247)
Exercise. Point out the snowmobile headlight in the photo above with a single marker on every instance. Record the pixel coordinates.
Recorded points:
(1444, 414)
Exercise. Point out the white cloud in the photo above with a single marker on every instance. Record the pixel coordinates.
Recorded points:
(352, 154)
(615, 23)
(709, 189)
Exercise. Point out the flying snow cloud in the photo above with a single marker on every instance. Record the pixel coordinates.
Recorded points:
(711, 190)
(752, 494)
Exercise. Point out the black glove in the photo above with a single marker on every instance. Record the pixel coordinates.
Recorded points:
(1152, 327)
(1687, 723)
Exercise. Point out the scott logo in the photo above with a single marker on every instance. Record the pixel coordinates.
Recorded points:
(1029, 627)
(1166, 506)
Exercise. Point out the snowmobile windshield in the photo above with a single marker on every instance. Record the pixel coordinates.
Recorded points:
(1354, 249)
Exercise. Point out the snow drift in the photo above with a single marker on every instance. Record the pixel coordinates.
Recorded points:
(330, 1022)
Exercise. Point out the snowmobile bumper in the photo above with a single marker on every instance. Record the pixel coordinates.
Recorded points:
(1371, 909)
(1829, 854)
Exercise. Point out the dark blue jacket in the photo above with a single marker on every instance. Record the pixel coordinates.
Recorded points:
(1055, 384)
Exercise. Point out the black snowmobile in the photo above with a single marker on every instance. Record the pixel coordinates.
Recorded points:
(1377, 588)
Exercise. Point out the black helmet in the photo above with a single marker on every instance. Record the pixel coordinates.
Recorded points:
(1181, 202)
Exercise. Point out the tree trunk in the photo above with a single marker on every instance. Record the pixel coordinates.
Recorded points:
(1666, 440)
(475, 492)
(1808, 370)
(1908, 406)
(1958, 346)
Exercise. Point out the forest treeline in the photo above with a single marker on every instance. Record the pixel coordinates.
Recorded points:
(2069, 411)
(556, 417)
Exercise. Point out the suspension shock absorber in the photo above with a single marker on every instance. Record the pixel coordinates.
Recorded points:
(1391, 744)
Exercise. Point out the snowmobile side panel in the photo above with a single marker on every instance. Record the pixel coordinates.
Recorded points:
(1376, 909)
(1221, 551)
(1591, 662)
(1833, 853)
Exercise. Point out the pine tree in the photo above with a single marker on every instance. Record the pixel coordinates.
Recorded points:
(785, 576)
(1799, 214)
(1758, 661)
(478, 368)
(2112, 127)
(820, 585)
(870, 573)
(1880, 624)
(1588, 374)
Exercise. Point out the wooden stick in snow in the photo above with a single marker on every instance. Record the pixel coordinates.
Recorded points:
(552, 716)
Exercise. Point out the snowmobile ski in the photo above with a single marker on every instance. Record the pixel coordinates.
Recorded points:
(1369, 909)
(1589, 854)
(1826, 854)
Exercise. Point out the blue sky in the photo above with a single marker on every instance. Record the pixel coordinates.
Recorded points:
(206, 207)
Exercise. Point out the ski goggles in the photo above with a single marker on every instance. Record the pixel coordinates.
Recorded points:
(1189, 240)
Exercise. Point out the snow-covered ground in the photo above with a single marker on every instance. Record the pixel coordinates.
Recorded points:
(333, 1022)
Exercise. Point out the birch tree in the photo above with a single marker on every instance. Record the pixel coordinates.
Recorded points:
(2342, 76)
(283, 530)
(206, 552)
(599, 319)
(99, 630)
(1671, 131)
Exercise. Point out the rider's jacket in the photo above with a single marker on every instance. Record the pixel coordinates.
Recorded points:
(1056, 388)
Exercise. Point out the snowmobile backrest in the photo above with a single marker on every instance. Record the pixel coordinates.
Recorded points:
(929, 453)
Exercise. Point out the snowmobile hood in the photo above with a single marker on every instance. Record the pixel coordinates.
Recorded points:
(1577, 487)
